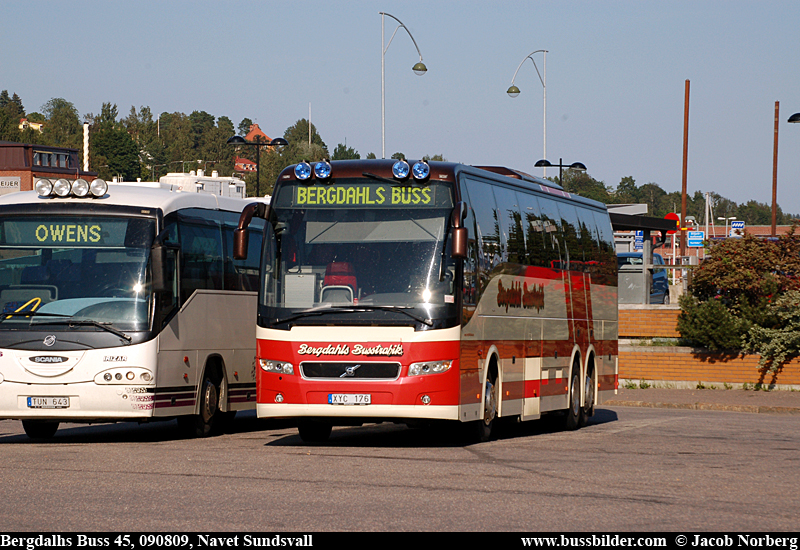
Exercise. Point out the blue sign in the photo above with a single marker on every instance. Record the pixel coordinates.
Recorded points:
(737, 225)
(695, 238)
(638, 240)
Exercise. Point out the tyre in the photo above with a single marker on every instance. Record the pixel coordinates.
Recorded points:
(207, 422)
(39, 429)
(589, 387)
(573, 417)
(483, 428)
(314, 431)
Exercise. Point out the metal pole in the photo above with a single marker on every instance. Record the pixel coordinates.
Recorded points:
(775, 175)
(258, 168)
(544, 115)
(685, 161)
(383, 93)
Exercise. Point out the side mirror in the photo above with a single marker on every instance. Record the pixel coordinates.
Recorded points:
(240, 237)
(158, 260)
(240, 243)
(460, 234)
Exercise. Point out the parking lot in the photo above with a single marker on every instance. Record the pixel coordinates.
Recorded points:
(630, 469)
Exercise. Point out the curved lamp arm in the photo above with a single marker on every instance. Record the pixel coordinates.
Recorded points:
(529, 56)
(400, 24)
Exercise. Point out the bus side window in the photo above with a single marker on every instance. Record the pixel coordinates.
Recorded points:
(534, 231)
(470, 287)
(508, 212)
(555, 250)
(201, 254)
(488, 225)
(167, 302)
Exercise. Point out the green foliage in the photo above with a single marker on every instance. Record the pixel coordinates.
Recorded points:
(113, 151)
(746, 296)
(781, 342)
(63, 127)
(710, 324)
(343, 152)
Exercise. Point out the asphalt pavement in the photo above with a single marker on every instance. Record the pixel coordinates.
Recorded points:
(720, 399)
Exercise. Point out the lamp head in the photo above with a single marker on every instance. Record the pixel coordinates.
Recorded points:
(542, 163)
(513, 91)
(419, 69)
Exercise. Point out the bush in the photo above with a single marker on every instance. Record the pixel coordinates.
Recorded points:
(746, 296)
(780, 343)
(710, 324)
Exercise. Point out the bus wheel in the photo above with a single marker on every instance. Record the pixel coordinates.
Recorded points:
(572, 421)
(39, 429)
(203, 424)
(588, 398)
(314, 431)
(484, 427)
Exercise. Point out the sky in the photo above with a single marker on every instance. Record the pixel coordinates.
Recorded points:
(615, 78)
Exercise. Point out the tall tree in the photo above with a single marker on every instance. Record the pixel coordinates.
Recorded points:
(343, 152)
(244, 126)
(112, 149)
(62, 127)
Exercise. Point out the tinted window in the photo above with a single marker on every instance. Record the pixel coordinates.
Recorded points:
(510, 218)
(555, 249)
(482, 201)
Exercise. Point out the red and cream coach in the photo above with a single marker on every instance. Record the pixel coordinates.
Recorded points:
(409, 292)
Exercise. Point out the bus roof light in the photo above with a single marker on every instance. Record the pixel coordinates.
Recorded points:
(400, 169)
(322, 169)
(62, 187)
(80, 187)
(98, 188)
(302, 170)
(421, 170)
(44, 187)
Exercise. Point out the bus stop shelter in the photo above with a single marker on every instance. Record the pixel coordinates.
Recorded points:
(635, 283)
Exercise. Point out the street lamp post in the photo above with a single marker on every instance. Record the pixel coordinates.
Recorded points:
(726, 224)
(579, 166)
(258, 144)
(419, 69)
(513, 91)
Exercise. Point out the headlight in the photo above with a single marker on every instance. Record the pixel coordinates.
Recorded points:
(279, 367)
(429, 367)
(128, 376)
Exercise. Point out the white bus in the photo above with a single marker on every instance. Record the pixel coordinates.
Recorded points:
(438, 292)
(123, 303)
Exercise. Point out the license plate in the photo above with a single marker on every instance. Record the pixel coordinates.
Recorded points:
(349, 399)
(48, 402)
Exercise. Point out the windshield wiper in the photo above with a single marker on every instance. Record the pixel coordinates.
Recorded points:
(379, 178)
(89, 322)
(331, 308)
(9, 314)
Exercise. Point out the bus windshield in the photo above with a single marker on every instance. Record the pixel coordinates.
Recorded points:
(361, 250)
(72, 273)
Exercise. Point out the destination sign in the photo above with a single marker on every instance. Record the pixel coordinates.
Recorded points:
(55, 231)
(363, 195)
